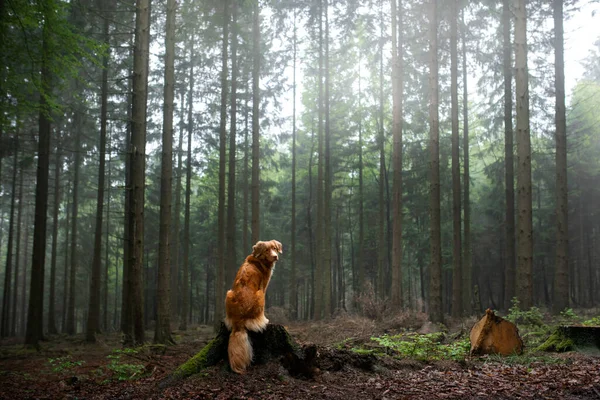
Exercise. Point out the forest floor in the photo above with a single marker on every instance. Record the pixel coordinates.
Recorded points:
(68, 368)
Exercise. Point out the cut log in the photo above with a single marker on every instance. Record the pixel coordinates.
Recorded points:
(273, 343)
(495, 335)
(573, 337)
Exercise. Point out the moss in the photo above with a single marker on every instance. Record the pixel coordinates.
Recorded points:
(557, 342)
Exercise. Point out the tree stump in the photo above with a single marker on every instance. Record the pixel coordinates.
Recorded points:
(274, 342)
(572, 337)
(495, 335)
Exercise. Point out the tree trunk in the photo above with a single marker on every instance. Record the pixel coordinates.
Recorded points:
(435, 286)
(231, 259)
(52, 300)
(524, 287)
(13, 327)
(66, 264)
(561, 271)
(381, 244)
(318, 281)
(162, 332)
(510, 271)
(293, 285)
(360, 279)
(138, 166)
(126, 316)
(22, 328)
(93, 320)
(457, 293)
(71, 323)
(467, 256)
(185, 284)
(5, 328)
(255, 123)
(397, 87)
(106, 250)
(327, 303)
(220, 284)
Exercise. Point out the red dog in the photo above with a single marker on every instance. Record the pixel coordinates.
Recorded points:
(245, 302)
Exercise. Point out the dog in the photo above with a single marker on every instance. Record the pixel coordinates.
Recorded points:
(245, 302)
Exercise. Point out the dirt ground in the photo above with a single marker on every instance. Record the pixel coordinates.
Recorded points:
(68, 368)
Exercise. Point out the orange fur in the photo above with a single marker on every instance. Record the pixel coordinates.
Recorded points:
(245, 302)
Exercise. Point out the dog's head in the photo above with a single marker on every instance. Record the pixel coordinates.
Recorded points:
(267, 252)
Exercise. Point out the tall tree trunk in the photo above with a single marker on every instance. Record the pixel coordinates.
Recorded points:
(35, 325)
(255, 122)
(467, 256)
(293, 283)
(13, 326)
(176, 301)
(106, 249)
(381, 244)
(231, 260)
(22, 329)
(52, 300)
(5, 327)
(561, 271)
(318, 282)
(328, 179)
(397, 87)
(93, 318)
(360, 279)
(66, 263)
(510, 269)
(126, 315)
(435, 286)
(220, 284)
(185, 284)
(457, 293)
(162, 332)
(524, 287)
(71, 323)
(138, 167)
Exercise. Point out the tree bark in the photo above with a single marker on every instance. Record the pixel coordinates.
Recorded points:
(71, 323)
(467, 256)
(293, 285)
(35, 313)
(435, 286)
(231, 259)
(185, 284)
(5, 327)
(561, 271)
(457, 293)
(52, 300)
(510, 271)
(327, 295)
(318, 280)
(397, 96)
(524, 287)
(138, 167)
(93, 319)
(162, 332)
(381, 243)
(220, 284)
(255, 122)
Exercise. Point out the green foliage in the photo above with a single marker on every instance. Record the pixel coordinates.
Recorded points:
(424, 347)
(595, 321)
(533, 316)
(62, 364)
(124, 371)
(569, 316)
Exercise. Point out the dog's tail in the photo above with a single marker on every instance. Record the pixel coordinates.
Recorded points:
(239, 350)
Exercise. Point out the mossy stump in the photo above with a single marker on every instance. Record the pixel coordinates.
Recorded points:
(568, 338)
(274, 342)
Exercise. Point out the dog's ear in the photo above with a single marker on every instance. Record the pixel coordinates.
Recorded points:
(277, 245)
(259, 248)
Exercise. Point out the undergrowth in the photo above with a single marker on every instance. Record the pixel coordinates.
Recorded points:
(123, 371)
(428, 347)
